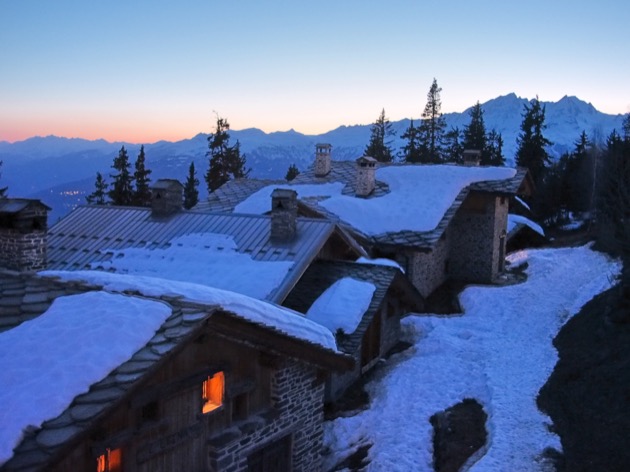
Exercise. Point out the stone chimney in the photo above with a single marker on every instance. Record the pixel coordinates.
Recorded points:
(366, 176)
(472, 157)
(283, 214)
(167, 196)
(322, 159)
(23, 234)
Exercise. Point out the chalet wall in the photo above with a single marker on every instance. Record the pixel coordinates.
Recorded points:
(477, 245)
(390, 313)
(427, 270)
(162, 428)
(22, 251)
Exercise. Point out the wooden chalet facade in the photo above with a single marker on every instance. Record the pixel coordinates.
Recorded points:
(212, 390)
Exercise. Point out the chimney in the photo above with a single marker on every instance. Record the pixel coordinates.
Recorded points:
(366, 177)
(283, 214)
(23, 234)
(472, 157)
(167, 197)
(322, 159)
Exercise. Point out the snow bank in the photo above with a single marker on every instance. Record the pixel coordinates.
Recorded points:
(204, 258)
(46, 362)
(499, 352)
(342, 305)
(419, 196)
(282, 319)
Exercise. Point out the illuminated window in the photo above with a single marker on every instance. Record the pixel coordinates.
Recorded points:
(111, 461)
(212, 392)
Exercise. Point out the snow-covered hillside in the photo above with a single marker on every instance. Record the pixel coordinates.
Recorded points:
(499, 352)
(55, 169)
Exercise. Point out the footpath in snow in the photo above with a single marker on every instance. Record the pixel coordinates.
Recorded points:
(499, 352)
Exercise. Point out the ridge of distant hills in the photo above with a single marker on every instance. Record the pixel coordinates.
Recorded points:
(61, 171)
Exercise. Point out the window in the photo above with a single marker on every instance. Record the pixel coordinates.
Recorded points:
(212, 392)
(110, 461)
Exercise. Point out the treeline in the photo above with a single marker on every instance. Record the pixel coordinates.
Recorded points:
(134, 189)
(430, 142)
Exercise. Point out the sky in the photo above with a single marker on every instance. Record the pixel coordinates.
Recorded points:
(145, 70)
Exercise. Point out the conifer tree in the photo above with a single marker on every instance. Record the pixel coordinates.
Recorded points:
(453, 149)
(121, 192)
(226, 161)
(494, 149)
(532, 144)
(432, 127)
(3, 190)
(191, 192)
(292, 172)
(100, 191)
(142, 194)
(379, 147)
(410, 152)
(475, 133)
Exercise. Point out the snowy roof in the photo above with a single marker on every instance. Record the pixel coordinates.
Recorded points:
(518, 221)
(342, 305)
(234, 252)
(322, 275)
(411, 204)
(15, 205)
(84, 378)
(59, 349)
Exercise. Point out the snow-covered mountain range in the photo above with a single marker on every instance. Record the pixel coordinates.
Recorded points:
(61, 171)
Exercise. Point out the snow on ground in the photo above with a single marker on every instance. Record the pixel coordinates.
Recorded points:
(342, 305)
(419, 196)
(47, 361)
(285, 320)
(514, 220)
(207, 259)
(499, 352)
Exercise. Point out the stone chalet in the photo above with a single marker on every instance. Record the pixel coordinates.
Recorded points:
(213, 388)
(262, 256)
(378, 327)
(466, 242)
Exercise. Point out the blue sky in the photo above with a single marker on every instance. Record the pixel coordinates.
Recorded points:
(141, 71)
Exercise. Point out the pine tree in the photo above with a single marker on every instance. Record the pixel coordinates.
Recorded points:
(100, 191)
(121, 192)
(410, 152)
(3, 190)
(453, 149)
(475, 133)
(494, 149)
(432, 127)
(226, 161)
(292, 173)
(191, 192)
(379, 147)
(142, 194)
(532, 144)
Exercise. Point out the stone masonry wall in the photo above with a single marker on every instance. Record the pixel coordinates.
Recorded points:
(427, 271)
(476, 242)
(297, 399)
(22, 251)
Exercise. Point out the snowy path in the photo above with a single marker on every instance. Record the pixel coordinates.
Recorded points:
(500, 352)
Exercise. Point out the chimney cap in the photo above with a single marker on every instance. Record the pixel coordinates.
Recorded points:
(283, 193)
(163, 184)
(323, 145)
(368, 160)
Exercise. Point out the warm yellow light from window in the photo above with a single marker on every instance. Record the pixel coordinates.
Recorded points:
(213, 392)
(111, 461)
